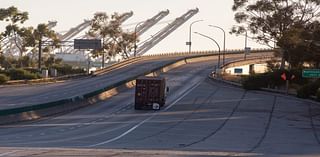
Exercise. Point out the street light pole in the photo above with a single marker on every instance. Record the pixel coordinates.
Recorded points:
(189, 43)
(224, 42)
(214, 42)
(245, 45)
(135, 38)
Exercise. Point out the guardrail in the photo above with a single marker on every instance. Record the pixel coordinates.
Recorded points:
(228, 51)
(98, 72)
(117, 66)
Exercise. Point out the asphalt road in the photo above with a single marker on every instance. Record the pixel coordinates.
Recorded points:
(202, 118)
(25, 95)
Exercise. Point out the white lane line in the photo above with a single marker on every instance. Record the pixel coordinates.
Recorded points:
(139, 124)
(7, 153)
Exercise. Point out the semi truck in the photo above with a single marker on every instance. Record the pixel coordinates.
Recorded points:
(150, 93)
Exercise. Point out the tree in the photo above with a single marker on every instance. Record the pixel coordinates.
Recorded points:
(115, 40)
(299, 44)
(269, 20)
(51, 61)
(14, 17)
(40, 36)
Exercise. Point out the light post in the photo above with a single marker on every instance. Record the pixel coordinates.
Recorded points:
(215, 43)
(189, 42)
(135, 38)
(245, 45)
(224, 42)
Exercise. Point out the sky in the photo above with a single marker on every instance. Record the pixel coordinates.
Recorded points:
(70, 13)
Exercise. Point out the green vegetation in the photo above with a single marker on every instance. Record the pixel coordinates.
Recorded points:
(269, 79)
(3, 78)
(293, 25)
(308, 89)
(24, 37)
(254, 82)
(42, 39)
(13, 30)
(66, 69)
(21, 74)
(115, 40)
(272, 79)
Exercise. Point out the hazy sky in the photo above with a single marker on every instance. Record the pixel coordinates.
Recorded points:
(70, 13)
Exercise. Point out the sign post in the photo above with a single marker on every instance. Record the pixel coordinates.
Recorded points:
(94, 44)
(286, 76)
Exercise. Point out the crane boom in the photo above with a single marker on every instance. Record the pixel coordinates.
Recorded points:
(166, 31)
(126, 16)
(76, 30)
(151, 22)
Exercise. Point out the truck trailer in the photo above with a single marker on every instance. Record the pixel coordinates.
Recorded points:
(150, 93)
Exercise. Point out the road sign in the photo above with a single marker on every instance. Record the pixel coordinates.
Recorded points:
(283, 76)
(94, 44)
(311, 73)
(238, 70)
(287, 76)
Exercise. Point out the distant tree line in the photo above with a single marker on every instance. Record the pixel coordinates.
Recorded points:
(291, 26)
(42, 39)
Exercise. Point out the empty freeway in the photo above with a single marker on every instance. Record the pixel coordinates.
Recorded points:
(202, 117)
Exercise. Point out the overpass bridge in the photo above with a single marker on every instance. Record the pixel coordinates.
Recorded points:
(201, 117)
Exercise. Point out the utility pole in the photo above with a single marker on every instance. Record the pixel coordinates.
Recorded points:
(245, 45)
(40, 49)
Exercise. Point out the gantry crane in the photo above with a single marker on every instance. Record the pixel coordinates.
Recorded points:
(166, 31)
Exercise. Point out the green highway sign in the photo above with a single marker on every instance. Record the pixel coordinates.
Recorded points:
(311, 73)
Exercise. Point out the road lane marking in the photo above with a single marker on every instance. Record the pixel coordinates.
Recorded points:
(7, 153)
(154, 114)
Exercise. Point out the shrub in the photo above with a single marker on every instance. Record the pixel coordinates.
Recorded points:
(3, 78)
(274, 79)
(253, 82)
(20, 74)
(308, 89)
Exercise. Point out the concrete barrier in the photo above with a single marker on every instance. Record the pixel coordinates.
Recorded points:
(117, 65)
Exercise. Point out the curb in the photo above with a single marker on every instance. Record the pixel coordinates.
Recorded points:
(283, 93)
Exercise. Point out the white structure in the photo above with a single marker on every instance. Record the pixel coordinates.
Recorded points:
(245, 69)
